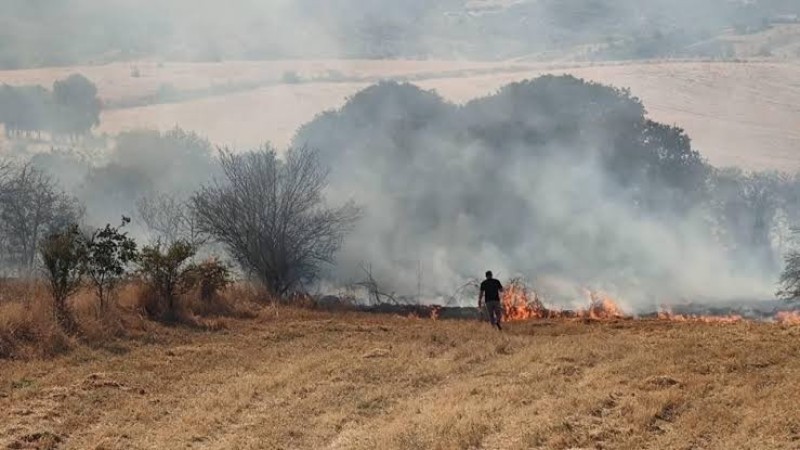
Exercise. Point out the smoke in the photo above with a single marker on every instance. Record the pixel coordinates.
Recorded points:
(141, 164)
(521, 183)
(447, 191)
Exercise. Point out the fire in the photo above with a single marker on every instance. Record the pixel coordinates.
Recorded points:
(435, 312)
(788, 317)
(520, 304)
(667, 314)
(517, 305)
(601, 307)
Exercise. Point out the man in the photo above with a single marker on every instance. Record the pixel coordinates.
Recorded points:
(490, 293)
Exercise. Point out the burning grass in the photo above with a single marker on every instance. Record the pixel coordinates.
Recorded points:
(521, 304)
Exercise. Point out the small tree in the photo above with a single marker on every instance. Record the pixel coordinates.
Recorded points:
(790, 278)
(108, 254)
(31, 206)
(170, 219)
(167, 272)
(62, 255)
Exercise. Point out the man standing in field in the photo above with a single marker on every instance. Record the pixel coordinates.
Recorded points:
(490, 293)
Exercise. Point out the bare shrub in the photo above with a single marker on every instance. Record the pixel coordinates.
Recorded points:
(31, 206)
(169, 218)
(790, 278)
(271, 216)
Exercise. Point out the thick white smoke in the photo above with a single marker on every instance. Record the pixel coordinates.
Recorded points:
(439, 210)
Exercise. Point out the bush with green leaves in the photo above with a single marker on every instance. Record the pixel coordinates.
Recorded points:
(107, 256)
(62, 256)
(167, 272)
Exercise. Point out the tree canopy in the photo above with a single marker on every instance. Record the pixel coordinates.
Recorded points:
(72, 108)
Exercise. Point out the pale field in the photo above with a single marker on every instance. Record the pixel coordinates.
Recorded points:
(740, 114)
(115, 81)
(294, 379)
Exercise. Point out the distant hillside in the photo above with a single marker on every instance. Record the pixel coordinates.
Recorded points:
(37, 33)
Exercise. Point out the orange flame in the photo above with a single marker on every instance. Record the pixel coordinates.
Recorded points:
(435, 312)
(519, 304)
(666, 314)
(788, 317)
(601, 307)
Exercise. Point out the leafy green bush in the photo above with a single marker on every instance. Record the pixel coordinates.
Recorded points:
(167, 274)
(108, 254)
(62, 256)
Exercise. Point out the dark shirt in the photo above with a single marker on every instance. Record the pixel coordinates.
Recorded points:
(491, 289)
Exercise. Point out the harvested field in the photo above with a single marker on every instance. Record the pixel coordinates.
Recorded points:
(739, 114)
(302, 379)
(118, 81)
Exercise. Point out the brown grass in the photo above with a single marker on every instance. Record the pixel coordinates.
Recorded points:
(301, 379)
(28, 329)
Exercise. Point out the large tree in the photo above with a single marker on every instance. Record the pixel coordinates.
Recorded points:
(25, 109)
(78, 106)
(271, 215)
(31, 207)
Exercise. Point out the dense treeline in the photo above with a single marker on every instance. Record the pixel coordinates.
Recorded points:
(71, 109)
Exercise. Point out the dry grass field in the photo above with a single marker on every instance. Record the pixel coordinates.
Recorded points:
(293, 378)
(116, 81)
(738, 113)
